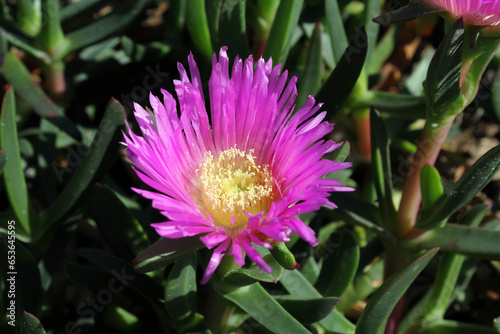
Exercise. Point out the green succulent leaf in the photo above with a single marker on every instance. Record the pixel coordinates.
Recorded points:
(180, 294)
(284, 25)
(164, 252)
(339, 84)
(310, 81)
(298, 286)
(13, 173)
(381, 168)
(377, 311)
(465, 240)
(399, 105)
(413, 10)
(196, 20)
(471, 183)
(340, 263)
(305, 310)
(442, 85)
(336, 29)
(232, 28)
(91, 167)
(247, 276)
(430, 185)
(31, 325)
(112, 24)
(261, 306)
(116, 222)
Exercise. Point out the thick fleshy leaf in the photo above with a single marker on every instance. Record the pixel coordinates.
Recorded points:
(340, 83)
(364, 209)
(413, 10)
(118, 225)
(247, 276)
(372, 8)
(283, 256)
(305, 310)
(381, 169)
(13, 173)
(297, 285)
(196, 20)
(261, 306)
(376, 313)
(31, 325)
(400, 105)
(112, 24)
(434, 304)
(90, 277)
(180, 294)
(430, 185)
(29, 16)
(51, 35)
(91, 167)
(336, 29)
(284, 25)
(232, 28)
(340, 263)
(164, 252)
(470, 184)
(74, 9)
(310, 79)
(471, 241)
(341, 153)
(125, 274)
(3, 160)
(442, 84)
(17, 74)
(457, 327)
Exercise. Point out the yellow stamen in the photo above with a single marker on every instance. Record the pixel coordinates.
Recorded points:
(232, 183)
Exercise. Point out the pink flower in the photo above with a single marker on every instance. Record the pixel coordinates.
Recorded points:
(242, 178)
(474, 12)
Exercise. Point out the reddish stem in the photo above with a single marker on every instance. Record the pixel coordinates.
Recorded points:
(362, 120)
(427, 153)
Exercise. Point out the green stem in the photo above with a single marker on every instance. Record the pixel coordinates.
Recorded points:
(428, 149)
(362, 119)
(55, 82)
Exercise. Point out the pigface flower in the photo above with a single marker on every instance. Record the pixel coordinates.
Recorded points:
(481, 13)
(240, 179)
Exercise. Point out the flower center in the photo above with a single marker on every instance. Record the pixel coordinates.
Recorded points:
(232, 184)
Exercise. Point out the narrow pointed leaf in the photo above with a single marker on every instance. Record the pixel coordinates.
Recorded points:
(336, 29)
(232, 28)
(413, 10)
(340, 263)
(305, 310)
(180, 291)
(381, 168)
(261, 306)
(297, 285)
(3, 160)
(31, 325)
(457, 327)
(51, 35)
(247, 276)
(285, 23)
(311, 78)
(164, 252)
(113, 218)
(400, 105)
(112, 24)
(430, 185)
(469, 185)
(13, 173)
(341, 81)
(442, 84)
(17, 74)
(92, 166)
(125, 274)
(196, 20)
(341, 153)
(466, 240)
(376, 313)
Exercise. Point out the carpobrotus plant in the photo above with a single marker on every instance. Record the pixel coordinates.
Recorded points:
(217, 202)
(243, 177)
